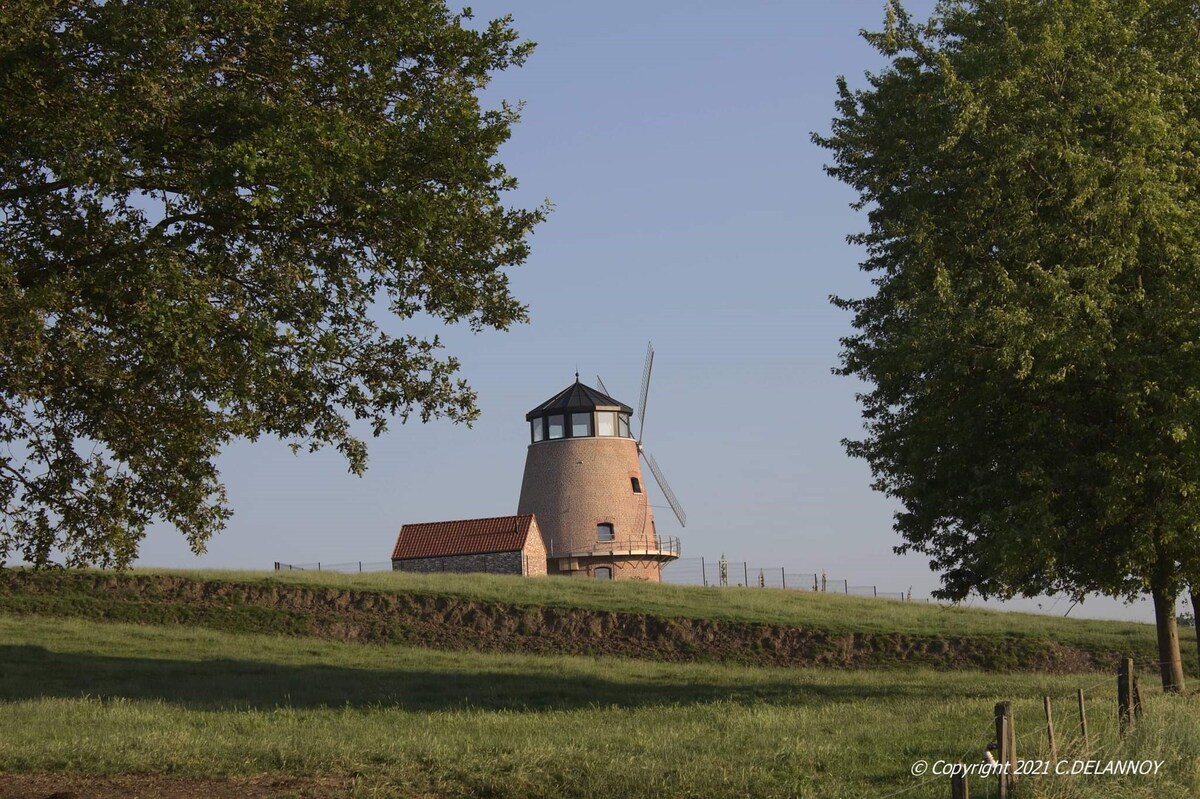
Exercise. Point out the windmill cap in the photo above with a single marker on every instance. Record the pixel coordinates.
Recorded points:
(577, 397)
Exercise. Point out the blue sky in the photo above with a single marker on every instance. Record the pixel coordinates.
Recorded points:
(691, 209)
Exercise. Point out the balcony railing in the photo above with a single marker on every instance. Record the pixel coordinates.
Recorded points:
(665, 548)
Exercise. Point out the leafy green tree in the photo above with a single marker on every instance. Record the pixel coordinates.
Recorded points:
(213, 218)
(1031, 174)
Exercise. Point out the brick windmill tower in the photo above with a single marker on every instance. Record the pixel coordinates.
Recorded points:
(583, 481)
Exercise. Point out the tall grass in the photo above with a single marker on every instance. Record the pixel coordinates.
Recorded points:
(95, 698)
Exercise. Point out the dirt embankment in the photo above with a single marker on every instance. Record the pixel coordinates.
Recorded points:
(452, 623)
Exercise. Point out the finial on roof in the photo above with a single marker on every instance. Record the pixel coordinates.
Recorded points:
(576, 374)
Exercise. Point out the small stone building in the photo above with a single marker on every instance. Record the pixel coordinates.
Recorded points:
(498, 545)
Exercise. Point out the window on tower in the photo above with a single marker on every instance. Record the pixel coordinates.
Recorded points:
(606, 423)
(536, 426)
(556, 426)
(602, 572)
(604, 532)
(637, 485)
(623, 425)
(581, 425)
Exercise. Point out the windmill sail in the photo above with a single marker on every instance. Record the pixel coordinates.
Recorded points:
(666, 488)
(601, 386)
(645, 391)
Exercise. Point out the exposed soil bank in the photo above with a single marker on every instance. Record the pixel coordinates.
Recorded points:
(451, 623)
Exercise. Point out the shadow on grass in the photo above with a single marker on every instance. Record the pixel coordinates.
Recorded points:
(31, 672)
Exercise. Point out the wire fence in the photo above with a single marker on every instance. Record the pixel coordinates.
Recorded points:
(724, 573)
(720, 573)
(349, 567)
(1064, 732)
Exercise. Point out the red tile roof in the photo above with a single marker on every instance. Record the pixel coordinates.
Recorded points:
(465, 537)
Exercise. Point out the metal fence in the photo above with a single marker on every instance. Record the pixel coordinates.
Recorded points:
(723, 573)
(719, 573)
(348, 567)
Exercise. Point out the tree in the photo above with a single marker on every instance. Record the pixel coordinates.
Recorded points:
(214, 218)
(1030, 171)
(1195, 594)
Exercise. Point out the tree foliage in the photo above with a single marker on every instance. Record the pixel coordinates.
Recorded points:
(212, 215)
(1031, 172)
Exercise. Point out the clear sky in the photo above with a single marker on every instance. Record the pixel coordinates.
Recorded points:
(691, 209)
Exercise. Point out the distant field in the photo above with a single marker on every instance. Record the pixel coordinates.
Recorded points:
(827, 611)
(93, 698)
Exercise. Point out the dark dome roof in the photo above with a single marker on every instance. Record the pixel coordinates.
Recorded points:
(577, 397)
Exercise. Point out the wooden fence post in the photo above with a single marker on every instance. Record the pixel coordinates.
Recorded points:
(1050, 728)
(745, 574)
(783, 576)
(1006, 739)
(958, 786)
(703, 576)
(1082, 720)
(1137, 700)
(1001, 757)
(1012, 745)
(1125, 693)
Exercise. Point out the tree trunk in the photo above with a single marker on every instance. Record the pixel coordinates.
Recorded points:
(1169, 662)
(1196, 618)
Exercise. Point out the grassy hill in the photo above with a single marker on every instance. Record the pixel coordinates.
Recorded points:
(213, 684)
(497, 613)
(831, 611)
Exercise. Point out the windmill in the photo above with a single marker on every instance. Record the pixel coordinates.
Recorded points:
(584, 483)
(644, 396)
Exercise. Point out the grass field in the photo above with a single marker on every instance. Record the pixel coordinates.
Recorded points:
(826, 611)
(86, 697)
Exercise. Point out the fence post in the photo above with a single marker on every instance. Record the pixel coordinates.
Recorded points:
(318, 565)
(783, 577)
(1001, 757)
(958, 786)
(846, 587)
(824, 583)
(875, 590)
(1050, 728)
(1012, 745)
(745, 574)
(1006, 740)
(276, 565)
(762, 579)
(1137, 700)
(1082, 720)
(1125, 693)
(703, 576)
